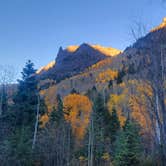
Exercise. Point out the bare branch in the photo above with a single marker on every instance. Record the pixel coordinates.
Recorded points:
(7, 74)
(137, 30)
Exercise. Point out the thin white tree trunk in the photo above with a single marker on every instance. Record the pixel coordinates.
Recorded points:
(91, 141)
(89, 144)
(37, 122)
(68, 144)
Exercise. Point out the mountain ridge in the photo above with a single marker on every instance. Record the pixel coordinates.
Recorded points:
(75, 59)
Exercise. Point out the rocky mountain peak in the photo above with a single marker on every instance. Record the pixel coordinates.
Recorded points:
(72, 48)
(75, 59)
(85, 46)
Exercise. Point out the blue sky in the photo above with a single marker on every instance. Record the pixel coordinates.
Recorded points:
(35, 29)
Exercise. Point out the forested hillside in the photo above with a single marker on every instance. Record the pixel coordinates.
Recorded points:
(92, 106)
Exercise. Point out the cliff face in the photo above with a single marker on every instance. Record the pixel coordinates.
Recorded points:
(76, 59)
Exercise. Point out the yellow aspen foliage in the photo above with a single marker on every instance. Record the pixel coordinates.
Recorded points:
(139, 111)
(49, 96)
(106, 156)
(106, 76)
(44, 119)
(77, 110)
(140, 104)
(100, 64)
(136, 97)
(82, 158)
(118, 102)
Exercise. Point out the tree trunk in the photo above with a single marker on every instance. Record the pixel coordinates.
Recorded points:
(37, 122)
(1, 99)
(91, 141)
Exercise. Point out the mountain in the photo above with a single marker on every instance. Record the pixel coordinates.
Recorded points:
(82, 67)
(75, 59)
(108, 51)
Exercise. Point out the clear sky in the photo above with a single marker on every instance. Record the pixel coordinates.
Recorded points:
(35, 29)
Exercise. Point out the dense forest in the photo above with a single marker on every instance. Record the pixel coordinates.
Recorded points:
(81, 130)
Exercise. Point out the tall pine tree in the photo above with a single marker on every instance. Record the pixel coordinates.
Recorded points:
(128, 146)
(25, 104)
(25, 100)
(114, 125)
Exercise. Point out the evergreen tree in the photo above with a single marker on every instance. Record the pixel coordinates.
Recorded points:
(74, 91)
(53, 115)
(114, 126)
(100, 117)
(120, 76)
(131, 69)
(60, 105)
(25, 100)
(110, 84)
(3, 98)
(99, 104)
(106, 127)
(92, 93)
(57, 115)
(128, 146)
(25, 104)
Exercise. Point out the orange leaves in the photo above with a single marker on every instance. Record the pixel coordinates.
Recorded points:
(44, 119)
(49, 96)
(77, 110)
(106, 76)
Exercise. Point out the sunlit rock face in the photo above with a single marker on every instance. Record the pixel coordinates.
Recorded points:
(108, 51)
(162, 25)
(87, 53)
(75, 59)
(46, 68)
(72, 48)
(72, 62)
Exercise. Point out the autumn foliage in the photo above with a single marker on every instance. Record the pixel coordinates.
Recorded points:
(106, 76)
(77, 110)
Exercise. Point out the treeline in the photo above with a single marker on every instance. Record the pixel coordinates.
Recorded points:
(79, 131)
